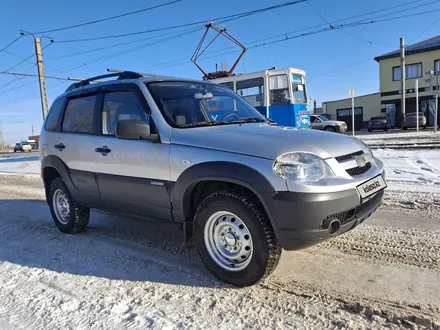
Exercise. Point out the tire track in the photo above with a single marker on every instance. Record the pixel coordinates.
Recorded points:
(415, 247)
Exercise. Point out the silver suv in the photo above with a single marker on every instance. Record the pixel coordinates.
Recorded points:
(242, 187)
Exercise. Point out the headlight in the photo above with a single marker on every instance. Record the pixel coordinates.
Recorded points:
(299, 166)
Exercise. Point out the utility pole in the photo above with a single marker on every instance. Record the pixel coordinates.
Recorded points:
(436, 101)
(403, 76)
(41, 76)
(351, 93)
(417, 103)
(2, 145)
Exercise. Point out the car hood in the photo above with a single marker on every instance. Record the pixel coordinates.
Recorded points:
(266, 141)
(333, 122)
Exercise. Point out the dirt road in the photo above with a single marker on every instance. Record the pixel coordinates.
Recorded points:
(128, 273)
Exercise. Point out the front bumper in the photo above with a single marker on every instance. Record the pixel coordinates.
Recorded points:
(341, 128)
(302, 219)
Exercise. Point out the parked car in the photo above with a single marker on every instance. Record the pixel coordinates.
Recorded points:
(322, 123)
(410, 121)
(378, 123)
(242, 188)
(22, 147)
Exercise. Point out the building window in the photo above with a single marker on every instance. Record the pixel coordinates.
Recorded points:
(347, 112)
(437, 65)
(412, 71)
(252, 90)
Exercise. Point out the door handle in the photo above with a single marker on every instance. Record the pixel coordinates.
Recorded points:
(60, 146)
(104, 150)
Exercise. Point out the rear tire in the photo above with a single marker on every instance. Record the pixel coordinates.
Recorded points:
(68, 216)
(404, 128)
(386, 129)
(234, 239)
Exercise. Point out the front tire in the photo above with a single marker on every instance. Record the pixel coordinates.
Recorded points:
(234, 239)
(68, 216)
(330, 129)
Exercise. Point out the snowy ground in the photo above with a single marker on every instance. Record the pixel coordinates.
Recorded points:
(29, 164)
(407, 170)
(125, 273)
(391, 139)
(130, 274)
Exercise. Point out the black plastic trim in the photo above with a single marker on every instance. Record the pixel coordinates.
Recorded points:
(84, 191)
(216, 171)
(299, 216)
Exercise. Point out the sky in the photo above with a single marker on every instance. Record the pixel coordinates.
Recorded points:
(334, 60)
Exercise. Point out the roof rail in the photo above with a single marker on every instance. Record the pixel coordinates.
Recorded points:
(144, 74)
(119, 75)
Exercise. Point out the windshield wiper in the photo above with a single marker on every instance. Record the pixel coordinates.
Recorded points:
(198, 124)
(224, 122)
(247, 120)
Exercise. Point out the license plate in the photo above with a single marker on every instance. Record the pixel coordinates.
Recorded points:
(372, 186)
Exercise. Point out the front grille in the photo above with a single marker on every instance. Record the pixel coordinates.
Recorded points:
(348, 156)
(359, 170)
(349, 215)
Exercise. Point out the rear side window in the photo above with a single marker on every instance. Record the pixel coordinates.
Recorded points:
(78, 117)
(54, 114)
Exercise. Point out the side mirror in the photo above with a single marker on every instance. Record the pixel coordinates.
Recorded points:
(132, 129)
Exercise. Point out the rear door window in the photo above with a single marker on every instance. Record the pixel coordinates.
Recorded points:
(54, 114)
(79, 115)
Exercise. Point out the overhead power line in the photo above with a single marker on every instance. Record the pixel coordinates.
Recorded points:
(286, 37)
(109, 18)
(303, 29)
(429, 26)
(243, 14)
(30, 75)
(18, 64)
(10, 44)
(123, 52)
(108, 47)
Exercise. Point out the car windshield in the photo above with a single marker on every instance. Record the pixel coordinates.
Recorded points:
(192, 104)
(414, 114)
(322, 118)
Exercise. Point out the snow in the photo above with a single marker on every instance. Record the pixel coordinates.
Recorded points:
(390, 139)
(126, 273)
(401, 135)
(406, 170)
(29, 164)
(411, 170)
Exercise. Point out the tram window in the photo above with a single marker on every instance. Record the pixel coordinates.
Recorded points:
(279, 90)
(229, 85)
(252, 90)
